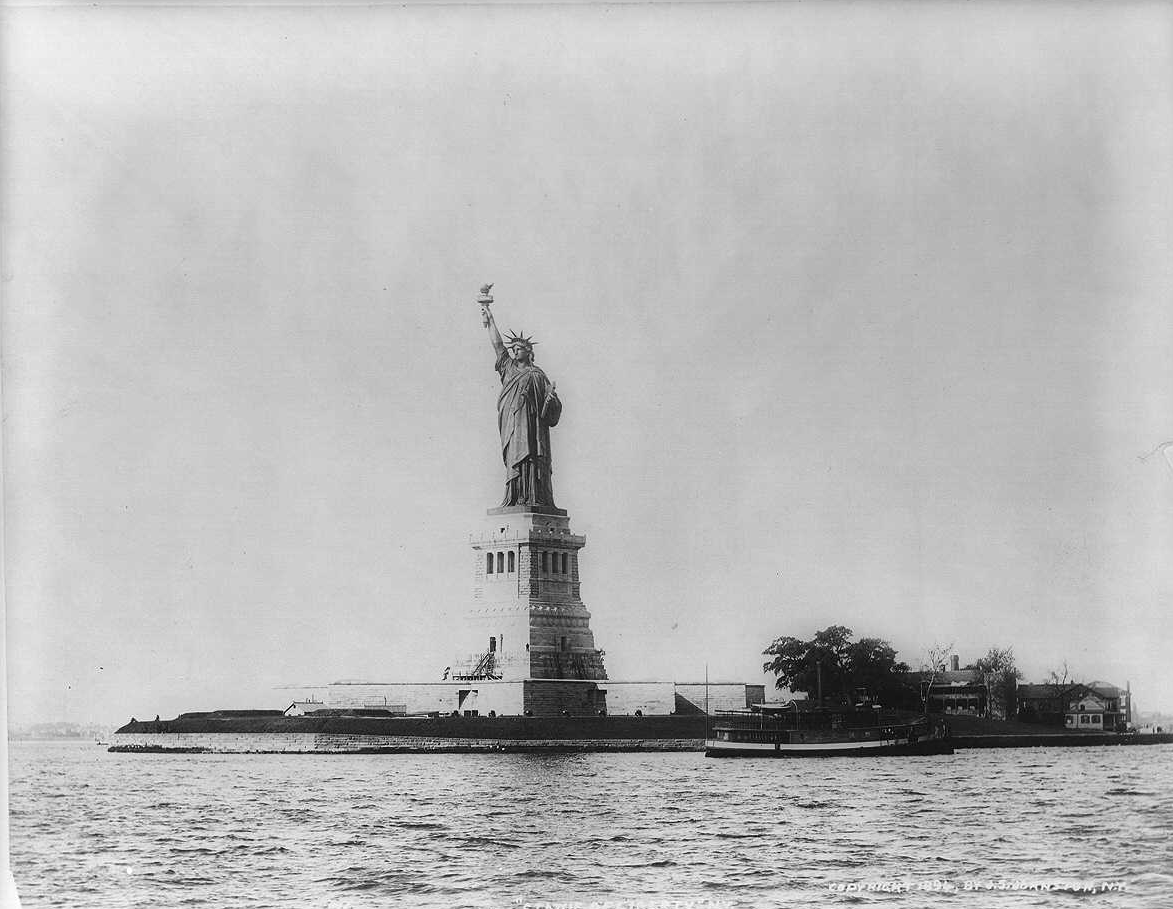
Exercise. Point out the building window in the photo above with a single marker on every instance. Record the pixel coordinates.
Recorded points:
(1085, 719)
(488, 563)
(563, 643)
(492, 645)
(545, 563)
(564, 563)
(500, 563)
(512, 561)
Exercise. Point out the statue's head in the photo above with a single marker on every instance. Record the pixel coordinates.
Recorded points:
(520, 347)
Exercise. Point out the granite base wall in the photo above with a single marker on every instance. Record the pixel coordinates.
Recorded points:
(504, 698)
(545, 697)
(649, 698)
(311, 743)
(721, 695)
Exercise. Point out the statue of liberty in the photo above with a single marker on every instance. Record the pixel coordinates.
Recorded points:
(527, 407)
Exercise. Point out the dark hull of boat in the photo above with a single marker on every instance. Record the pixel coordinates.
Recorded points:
(780, 750)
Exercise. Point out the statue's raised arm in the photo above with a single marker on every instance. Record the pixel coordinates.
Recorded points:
(527, 407)
(486, 300)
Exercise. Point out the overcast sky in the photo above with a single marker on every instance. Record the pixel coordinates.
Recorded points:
(860, 314)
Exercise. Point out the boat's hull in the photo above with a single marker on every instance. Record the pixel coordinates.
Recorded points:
(715, 748)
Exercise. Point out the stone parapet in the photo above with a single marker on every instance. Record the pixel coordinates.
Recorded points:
(311, 743)
(534, 535)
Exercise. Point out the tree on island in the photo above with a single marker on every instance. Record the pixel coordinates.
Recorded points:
(935, 663)
(1049, 702)
(848, 668)
(1063, 689)
(1000, 676)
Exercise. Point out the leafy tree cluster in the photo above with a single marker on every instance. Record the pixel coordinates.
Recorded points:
(850, 668)
(1000, 676)
(869, 668)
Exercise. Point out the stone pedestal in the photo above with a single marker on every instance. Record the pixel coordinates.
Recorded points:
(527, 620)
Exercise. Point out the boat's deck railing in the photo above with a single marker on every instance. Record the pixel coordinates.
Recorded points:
(750, 719)
(751, 727)
(816, 736)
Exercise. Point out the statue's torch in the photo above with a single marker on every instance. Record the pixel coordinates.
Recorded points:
(485, 299)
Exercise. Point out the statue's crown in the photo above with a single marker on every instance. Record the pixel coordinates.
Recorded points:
(511, 338)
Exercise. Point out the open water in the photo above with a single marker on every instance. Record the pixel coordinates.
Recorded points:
(93, 829)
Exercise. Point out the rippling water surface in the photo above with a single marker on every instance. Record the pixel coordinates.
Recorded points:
(95, 829)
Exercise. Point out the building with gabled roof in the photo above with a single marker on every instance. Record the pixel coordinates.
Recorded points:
(1090, 706)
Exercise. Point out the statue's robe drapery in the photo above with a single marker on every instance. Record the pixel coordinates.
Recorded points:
(524, 416)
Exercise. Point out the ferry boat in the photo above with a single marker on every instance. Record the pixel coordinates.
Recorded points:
(797, 729)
